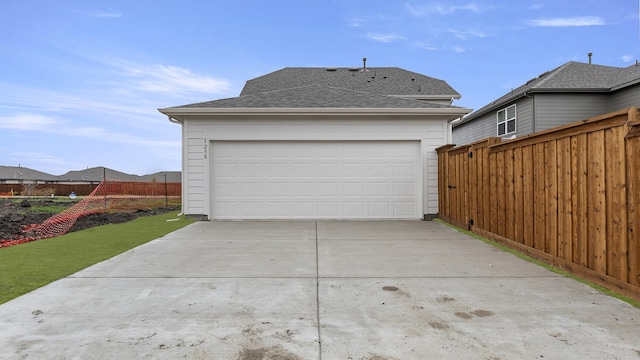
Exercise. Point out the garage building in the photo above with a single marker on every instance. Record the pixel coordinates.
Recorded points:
(317, 143)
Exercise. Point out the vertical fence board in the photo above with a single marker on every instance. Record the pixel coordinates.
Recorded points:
(464, 192)
(501, 192)
(473, 185)
(564, 199)
(453, 201)
(597, 222)
(539, 240)
(551, 198)
(579, 183)
(616, 203)
(486, 189)
(518, 196)
(479, 166)
(509, 194)
(633, 206)
(528, 191)
(493, 194)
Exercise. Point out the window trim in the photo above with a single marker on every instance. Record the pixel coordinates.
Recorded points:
(507, 120)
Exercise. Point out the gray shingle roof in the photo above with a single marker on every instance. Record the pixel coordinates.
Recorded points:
(569, 77)
(316, 96)
(23, 173)
(90, 174)
(379, 80)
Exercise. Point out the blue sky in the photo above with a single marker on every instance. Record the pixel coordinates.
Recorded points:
(81, 81)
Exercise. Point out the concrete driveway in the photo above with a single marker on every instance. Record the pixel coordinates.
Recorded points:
(317, 290)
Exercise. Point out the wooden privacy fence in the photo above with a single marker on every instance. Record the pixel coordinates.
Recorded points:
(133, 188)
(569, 196)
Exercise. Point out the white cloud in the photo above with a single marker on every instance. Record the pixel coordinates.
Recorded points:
(103, 14)
(356, 22)
(172, 80)
(39, 157)
(465, 34)
(627, 58)
(385, 38)
(568, 22)
(458, 49)
(443, 9)
(535, 6)
(109, 14)
(28, 122)
(426, 46)
(51, 125)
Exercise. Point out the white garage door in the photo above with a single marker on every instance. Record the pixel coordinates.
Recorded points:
(315, 179)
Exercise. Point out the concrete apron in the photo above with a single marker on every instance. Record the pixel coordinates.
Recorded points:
(317, 290)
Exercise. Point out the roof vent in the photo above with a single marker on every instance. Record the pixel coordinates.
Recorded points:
(353, 69)
(544, 74)
(364, 64)
(590, 55)
(331, 69)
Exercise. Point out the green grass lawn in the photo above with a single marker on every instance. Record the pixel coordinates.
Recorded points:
(26, 267)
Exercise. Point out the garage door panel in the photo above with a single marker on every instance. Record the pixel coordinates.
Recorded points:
(252, 189)
(253, 209)
(331, 189)
(277, 170)
(328, 170)
(404, 170)
(228, 169)
(354, 209)
(303, 189)
(303, 209)
(353, 189)
(404, 208)
(404, 189)
(379, 189)
(328, 208)
(379, 208)
(380, 169)
(302, 170)
(340, 179)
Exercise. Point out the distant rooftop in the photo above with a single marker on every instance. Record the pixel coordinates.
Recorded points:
(95, 174)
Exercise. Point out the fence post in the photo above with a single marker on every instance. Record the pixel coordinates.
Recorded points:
(166, 193)
(632, 142)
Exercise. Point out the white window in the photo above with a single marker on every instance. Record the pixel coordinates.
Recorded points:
(507, 120)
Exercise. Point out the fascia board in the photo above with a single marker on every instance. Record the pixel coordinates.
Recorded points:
(457, 111)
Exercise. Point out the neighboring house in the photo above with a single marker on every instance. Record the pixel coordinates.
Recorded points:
(21, 175)
(314, 143)
(572, 92)
(94, 175)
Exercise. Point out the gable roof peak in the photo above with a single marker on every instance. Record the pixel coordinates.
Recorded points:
(378, 80)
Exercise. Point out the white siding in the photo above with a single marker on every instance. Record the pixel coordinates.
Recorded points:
(195, 176)
(430, 133)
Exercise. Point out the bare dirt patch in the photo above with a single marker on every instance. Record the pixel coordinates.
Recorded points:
(16, 214)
